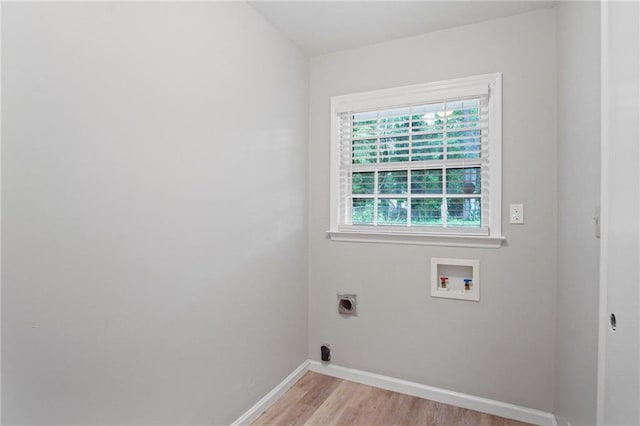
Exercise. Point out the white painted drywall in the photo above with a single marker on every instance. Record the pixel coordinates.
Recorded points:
(321, 27)
(154, 212)
(578, 32)
(619, 357)
(502, 347)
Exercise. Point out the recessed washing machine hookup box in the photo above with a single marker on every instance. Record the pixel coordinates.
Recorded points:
(455, 278)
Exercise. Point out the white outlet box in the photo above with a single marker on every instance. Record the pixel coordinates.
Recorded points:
(516, 213)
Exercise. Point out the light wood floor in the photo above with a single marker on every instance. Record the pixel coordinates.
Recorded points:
(317, 399)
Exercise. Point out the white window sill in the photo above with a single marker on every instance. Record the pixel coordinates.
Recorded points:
(477, 241)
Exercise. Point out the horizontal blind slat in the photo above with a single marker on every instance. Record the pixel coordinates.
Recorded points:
(451, 134)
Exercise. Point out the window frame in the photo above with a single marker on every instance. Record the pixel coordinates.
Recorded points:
(423, 93)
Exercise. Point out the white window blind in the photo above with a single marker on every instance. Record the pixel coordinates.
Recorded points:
(419, 166)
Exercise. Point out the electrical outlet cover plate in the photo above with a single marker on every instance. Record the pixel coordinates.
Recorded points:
(516, 213)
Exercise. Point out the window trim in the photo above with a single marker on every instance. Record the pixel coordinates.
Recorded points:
(422, 93)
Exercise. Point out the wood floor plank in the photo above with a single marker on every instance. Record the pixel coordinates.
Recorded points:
(317, 399)
(417, 411)
(289, 400)
(370, 409)
(334, 405)
(298, 405)
(394, 409)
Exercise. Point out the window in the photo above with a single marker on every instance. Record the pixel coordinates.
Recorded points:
(419, 164)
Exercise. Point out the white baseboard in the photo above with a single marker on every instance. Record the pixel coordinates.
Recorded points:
(458, 399)
(561, 421)
(484, 405)
(267, 401)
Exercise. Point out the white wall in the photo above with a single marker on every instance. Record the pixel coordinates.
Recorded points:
(154, 212)
(619, 358)
(578, 31)
(503, 346)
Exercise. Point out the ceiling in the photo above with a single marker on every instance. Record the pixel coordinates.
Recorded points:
(320, 27)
